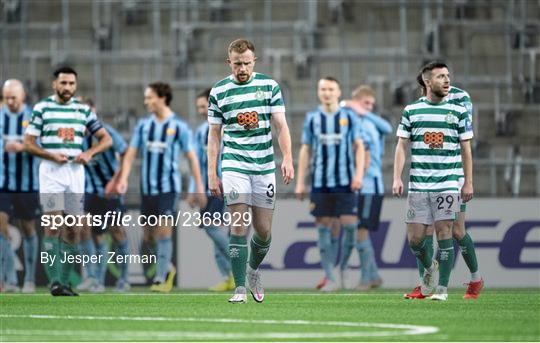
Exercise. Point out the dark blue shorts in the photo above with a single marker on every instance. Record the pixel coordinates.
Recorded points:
(369, 211)
(160, 204)
(214, 205)
(333, 202)
(20, 205)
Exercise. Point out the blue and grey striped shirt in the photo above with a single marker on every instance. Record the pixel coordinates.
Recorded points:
(19, 169)
(331, 137)
(100, 170)
(159, 144)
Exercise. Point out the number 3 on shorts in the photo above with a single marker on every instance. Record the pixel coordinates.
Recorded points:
(270, 192)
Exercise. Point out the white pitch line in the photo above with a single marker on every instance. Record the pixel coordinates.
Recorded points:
(404, 329)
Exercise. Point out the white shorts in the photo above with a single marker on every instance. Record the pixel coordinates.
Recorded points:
(254, 190)
(426, 208)
(61, 187)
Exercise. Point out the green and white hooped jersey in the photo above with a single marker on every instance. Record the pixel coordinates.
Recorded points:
(61, 127)
(459, 96)
(435, 131)
(245, 110)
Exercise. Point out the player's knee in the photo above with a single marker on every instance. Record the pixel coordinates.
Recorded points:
(458, 233)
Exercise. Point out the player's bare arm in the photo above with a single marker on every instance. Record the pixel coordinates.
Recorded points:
(360, 159)
(104, 142)
(399, 163)
(214, 144)
(125, 169)
(466, 156)
(31, 147)
(284, 140)
(303, 165)
(367, 159)
(194, 165)
(110, 187)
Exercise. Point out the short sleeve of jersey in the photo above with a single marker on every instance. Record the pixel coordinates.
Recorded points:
(185, 138)
(356, 126)
(136, 138)
(307, 133)
(469, 106)
(92, 123)
(366, 132)
(404, 127)
(465, 129)
(277, 105)
(36, 123)
(119, 144)
(215, 116)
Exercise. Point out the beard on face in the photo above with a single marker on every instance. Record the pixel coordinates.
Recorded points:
(439, 92)
(65, 95)
(243, 76)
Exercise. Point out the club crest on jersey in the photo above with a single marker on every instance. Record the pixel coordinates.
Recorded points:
(25, 123)
(343, 122)
(450, 118)
(170, 131)
(259, 94)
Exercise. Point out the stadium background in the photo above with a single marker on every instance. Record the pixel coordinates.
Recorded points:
(493, 47)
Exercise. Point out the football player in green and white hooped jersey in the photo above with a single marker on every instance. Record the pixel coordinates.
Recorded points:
(439, 132)
(466, 244)
(246, 104)
(60, 122)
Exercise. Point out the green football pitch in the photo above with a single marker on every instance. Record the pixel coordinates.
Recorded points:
(499, 315)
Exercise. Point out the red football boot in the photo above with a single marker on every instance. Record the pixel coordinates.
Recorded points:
(415, 294)
(473, 291)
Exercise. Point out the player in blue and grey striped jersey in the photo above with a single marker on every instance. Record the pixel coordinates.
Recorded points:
(159, 139)
(20, 179)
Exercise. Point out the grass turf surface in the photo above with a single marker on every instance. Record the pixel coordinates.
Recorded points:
(499, 315)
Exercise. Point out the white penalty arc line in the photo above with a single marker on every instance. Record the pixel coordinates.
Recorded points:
(400, 329)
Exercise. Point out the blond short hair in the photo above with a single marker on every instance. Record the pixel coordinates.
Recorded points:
(362, 91)
(241, 45)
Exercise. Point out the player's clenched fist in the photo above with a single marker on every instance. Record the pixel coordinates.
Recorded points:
(397, 188)
(214, 185)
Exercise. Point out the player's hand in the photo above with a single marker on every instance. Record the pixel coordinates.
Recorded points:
(59, 158)
(287, 170)
(214, 184)
(110, 189)
(191, 200)
(397, 188)
(467, 192)
(14, 146)
(300, 191)
(201, 199)
(356, 107)
(83, 158)
(356, 183)
(121, 186)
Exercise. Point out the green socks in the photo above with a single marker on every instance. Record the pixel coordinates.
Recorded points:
(259, 249)
(446, 261)
(66, 268)
(238, 252)
(51, 246)
(429, 246)
(422, 252)
(466, 246)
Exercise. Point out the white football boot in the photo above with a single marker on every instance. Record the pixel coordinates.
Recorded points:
(239, 296)
(255, 284)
